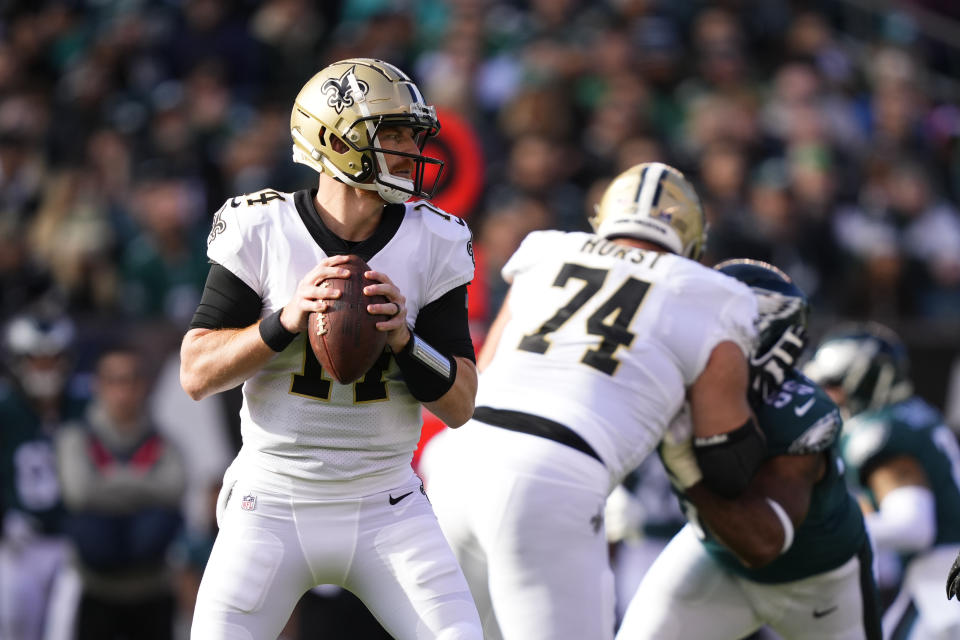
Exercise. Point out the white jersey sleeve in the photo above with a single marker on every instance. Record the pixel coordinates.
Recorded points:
(450, 246)
(533, 248)
(702, 294)
(234, 241)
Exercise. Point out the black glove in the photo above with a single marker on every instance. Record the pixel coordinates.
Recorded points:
(953, 580)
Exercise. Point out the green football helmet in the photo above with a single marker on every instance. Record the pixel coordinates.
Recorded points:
(867, 361)
(781, 322)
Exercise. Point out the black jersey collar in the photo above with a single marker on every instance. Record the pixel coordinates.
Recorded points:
(334, 245)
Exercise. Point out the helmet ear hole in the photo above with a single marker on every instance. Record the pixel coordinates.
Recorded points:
(338, 145)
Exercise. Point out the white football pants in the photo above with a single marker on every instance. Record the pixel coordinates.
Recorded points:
(524, 516)
(686, 594)
(386, 548)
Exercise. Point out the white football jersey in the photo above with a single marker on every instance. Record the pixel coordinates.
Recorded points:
(605, 338)
(295, 420)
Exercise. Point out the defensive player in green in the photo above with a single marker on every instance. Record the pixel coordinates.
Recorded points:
(906, 462)
(34, 399)
(791, 551)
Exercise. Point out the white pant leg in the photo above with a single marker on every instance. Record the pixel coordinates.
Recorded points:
(686, 595)
(451, 484)
(523, 514)
(28, 571)
(921, 610)
(256, 572)
(548, 569)
(631, 561)
(405, 572)
(827, 606)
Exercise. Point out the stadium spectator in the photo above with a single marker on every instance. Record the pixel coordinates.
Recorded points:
(35, 398)
(122, 485)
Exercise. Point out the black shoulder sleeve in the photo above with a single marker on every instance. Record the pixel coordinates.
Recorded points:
(227, 302)
(444, 324)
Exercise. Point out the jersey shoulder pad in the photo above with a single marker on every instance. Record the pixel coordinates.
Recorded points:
(439, 222)
(800, 418)
(865, 437)
(536, 247)
(237, 231)
(708, 293)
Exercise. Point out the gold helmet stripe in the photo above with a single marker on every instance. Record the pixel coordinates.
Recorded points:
(650, 181)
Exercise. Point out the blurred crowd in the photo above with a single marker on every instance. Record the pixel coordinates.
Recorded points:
(822, 136)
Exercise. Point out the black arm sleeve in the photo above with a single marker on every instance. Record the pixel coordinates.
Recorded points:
(444, 324)
(227, 302)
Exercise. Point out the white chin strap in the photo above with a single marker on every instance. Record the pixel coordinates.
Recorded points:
(391, 195)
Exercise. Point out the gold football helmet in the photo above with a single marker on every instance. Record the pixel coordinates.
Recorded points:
(653, 202)
(336, 119)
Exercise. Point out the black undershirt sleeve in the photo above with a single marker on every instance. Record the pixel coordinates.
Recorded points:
(227, 302)
(444, 324)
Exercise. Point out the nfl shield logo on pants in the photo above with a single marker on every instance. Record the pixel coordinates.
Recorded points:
(247, 503)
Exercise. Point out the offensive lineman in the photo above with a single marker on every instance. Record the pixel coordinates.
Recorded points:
(792, 551)
(600, 339)
(322, 491)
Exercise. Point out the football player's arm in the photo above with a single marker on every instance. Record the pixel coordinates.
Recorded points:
(226, 343)
(759, 525)
(727, 444)
(906, 520)
(436, 357)
(493, 335)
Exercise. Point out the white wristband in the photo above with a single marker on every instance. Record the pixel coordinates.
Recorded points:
(784, 522)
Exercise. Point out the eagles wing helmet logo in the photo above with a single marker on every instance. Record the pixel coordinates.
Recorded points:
(773, 306)
(339, 91)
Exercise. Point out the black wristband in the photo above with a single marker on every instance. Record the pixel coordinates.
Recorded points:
(428, 373)
(274, 334)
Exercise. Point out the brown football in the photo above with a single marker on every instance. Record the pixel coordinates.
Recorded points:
(344, 338)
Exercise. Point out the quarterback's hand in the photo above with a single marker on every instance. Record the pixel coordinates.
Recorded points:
(398, 333)
(310, 296)
(953, 580)
(676, 452)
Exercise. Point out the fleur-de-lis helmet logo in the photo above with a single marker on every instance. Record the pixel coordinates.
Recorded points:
(339, 91)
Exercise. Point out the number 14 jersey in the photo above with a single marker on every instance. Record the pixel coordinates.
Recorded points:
(605, 338)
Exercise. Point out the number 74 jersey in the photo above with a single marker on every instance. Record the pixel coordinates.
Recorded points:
(606, 338)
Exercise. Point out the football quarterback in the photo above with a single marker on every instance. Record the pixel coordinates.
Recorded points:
(322, 491)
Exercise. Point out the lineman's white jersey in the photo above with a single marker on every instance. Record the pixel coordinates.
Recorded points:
(295, 420)
(605, 339)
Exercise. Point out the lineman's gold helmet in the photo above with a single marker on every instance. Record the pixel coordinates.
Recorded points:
(654, 202)
(350, 101)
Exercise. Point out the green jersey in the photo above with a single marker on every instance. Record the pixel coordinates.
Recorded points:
(28, 473)
(909, 428)
(798, 420)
